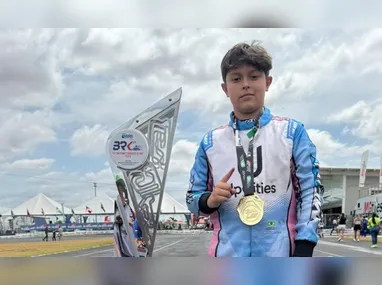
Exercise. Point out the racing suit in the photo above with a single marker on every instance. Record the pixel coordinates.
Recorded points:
(286, 178)
(124, 245)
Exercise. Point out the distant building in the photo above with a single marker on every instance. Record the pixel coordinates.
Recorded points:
(342, 188)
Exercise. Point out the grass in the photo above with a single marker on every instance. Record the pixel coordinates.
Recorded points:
(35, 248)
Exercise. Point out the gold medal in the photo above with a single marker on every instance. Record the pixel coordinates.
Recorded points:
(251, 209)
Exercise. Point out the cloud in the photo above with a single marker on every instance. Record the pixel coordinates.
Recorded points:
(364, 121)
(72, 188)
(103, 176)
(107, 54)
(100, 51)
(351, 114)
(29, 76)
(159, 70)
(328, 148)
(182, 157)
(23, 132)
(32, 164)
(121, 101)
(333, 65)
(89, 141)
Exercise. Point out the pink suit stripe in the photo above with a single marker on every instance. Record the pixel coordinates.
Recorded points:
(292, 221)
(214, 218)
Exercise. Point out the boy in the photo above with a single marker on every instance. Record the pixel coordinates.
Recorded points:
(257, 177)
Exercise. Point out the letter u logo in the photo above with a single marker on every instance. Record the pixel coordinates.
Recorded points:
(259, 156)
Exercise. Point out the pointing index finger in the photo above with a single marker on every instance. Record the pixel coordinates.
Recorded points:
(227, 176)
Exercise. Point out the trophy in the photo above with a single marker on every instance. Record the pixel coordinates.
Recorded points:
(139, 154)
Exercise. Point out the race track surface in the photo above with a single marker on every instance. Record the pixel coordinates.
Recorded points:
(165, 245)
(197, 245)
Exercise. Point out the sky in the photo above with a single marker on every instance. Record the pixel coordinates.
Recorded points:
(63, 91)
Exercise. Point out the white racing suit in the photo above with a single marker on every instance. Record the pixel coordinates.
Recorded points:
(123, 234)
(286, 178)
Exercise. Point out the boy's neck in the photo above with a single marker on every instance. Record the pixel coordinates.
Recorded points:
(250, 116)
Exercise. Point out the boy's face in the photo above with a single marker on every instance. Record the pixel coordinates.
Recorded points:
(246, 87)
(122, 194)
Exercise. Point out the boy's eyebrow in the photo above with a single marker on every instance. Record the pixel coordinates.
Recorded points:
(238, 73)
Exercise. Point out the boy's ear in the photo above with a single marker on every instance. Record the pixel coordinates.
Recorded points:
(224, 87)
(269, 82)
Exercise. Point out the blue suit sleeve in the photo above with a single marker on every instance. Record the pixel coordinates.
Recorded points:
(200, 184)
(136, 229)
(309, 194)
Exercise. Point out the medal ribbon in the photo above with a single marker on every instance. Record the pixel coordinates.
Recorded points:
(245, 162)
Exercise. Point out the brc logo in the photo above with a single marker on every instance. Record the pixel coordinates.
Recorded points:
(125, 146)
(119, 145)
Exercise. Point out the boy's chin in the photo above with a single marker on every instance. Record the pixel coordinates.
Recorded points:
(249, 108)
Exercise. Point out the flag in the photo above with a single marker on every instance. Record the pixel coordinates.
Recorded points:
(106, 220)
(363, 169)
(88, 210)
(28, 214)
(103, 209)
(73, 212)
(42, 212)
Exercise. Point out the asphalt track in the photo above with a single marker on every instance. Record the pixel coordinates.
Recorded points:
(182, 245)
(197, 244)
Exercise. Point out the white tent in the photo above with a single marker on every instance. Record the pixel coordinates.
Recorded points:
(170, 205)
(171, 208)
(38, 206)
(95, 205)
(102, 205)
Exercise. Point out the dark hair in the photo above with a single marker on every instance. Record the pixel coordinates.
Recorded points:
(374, 216)
(246, 54)
(121, 182)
